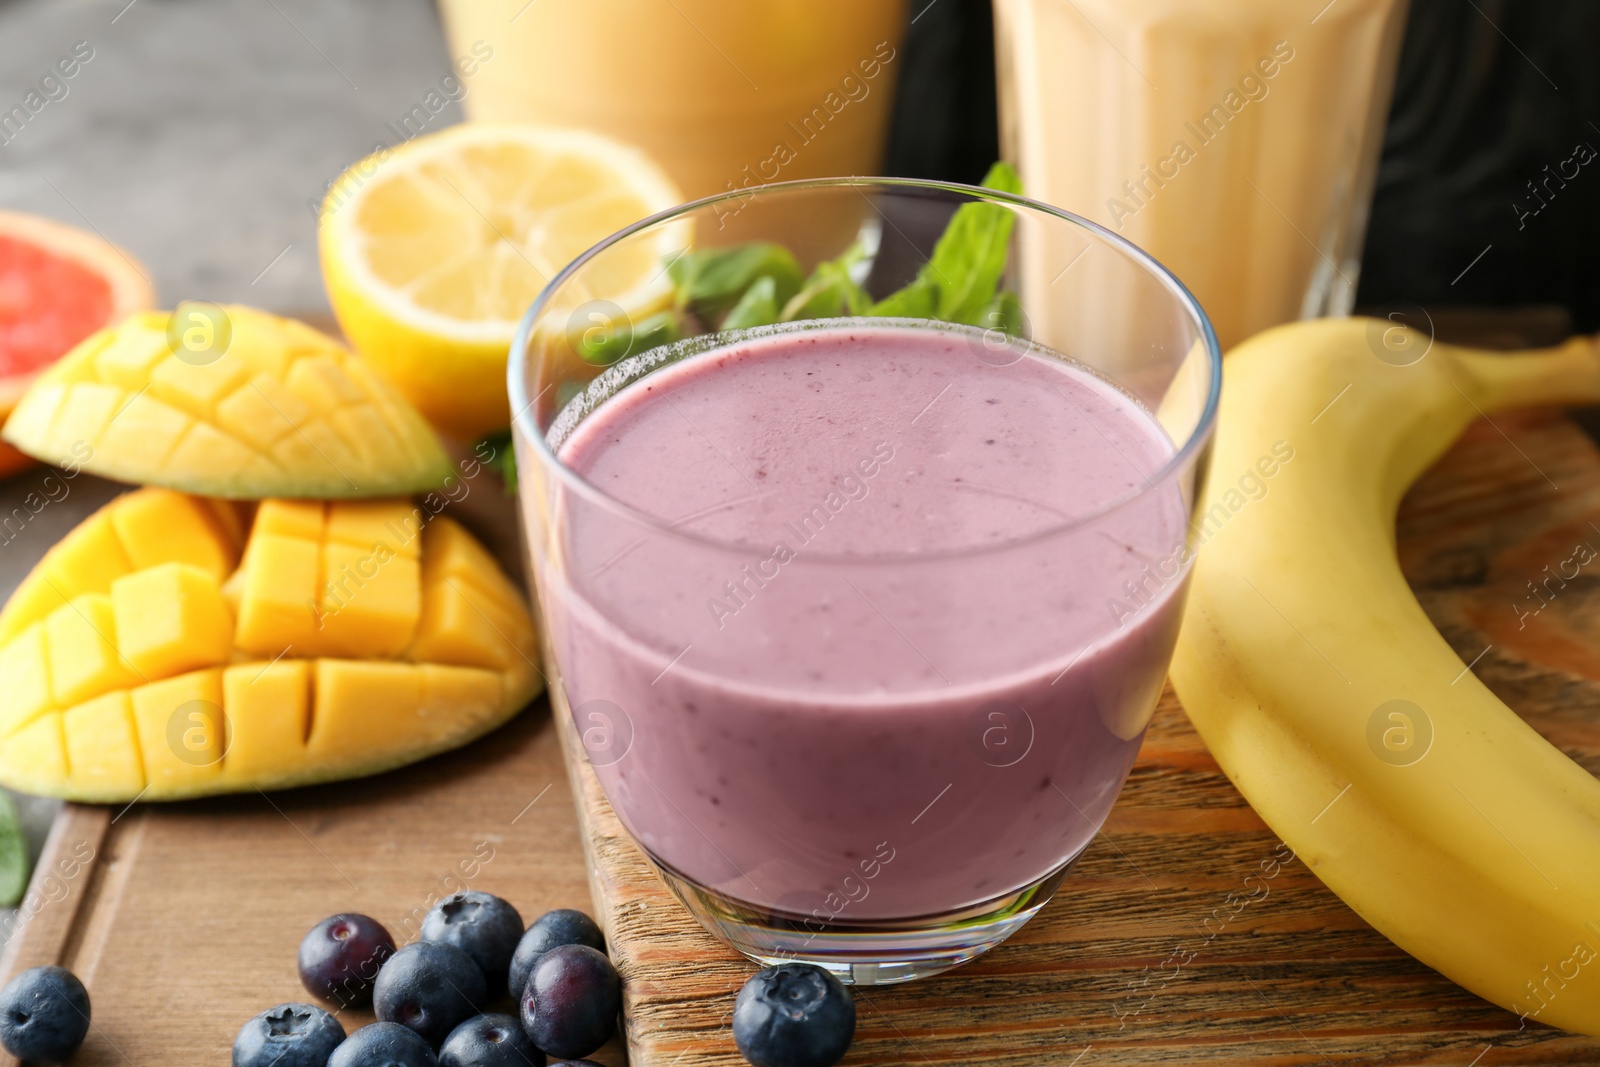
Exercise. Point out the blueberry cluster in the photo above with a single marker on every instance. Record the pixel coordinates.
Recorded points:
(432, 997)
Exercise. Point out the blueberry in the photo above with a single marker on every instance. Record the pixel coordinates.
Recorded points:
(429, 987)
(290, 1035)
(489, 1041)
(571, 1002)
(383, 1045)
(795, 1015)
(340, 957)
(563, 926)
(44, 1014)
(483, 926)
(575, 1063)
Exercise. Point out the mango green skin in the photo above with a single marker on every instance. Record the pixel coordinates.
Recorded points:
(1481, 858)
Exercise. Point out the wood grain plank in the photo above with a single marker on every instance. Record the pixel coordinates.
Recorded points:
(66, 880)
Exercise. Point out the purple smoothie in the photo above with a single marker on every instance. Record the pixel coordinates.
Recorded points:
(893, 647)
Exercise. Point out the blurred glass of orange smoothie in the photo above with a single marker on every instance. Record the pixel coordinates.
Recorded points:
(724, 94)
(1234, 140)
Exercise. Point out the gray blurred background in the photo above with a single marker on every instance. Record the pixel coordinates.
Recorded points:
(200, 128)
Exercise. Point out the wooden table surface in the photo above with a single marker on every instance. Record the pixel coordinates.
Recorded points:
(183, 919)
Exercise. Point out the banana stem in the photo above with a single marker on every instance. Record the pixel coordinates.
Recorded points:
(1566, 374)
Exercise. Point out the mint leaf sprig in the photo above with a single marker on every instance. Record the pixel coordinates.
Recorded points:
(958, 283)
(710, 281)
(961, 277)
(759, 283)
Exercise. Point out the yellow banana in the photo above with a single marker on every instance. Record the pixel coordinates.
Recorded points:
(1445, 821)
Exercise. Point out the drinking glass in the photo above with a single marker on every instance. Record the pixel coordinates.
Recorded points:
(723, 95)
(882, 753)
(1235, 140)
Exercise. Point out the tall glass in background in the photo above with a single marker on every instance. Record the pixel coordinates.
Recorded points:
(862, 686)
(1236, 141)
(724, 95)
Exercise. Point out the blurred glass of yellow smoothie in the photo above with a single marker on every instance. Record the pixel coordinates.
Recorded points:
(1234, 140)
(724, 93)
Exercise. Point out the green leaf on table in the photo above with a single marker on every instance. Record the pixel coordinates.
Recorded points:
(712, 280)
(960, 278)
(13, 854)
(830, 291)
(757, 307)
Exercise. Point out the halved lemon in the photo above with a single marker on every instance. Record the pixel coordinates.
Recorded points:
(433, 251)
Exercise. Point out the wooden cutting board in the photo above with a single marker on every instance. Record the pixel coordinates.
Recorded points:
(183, 919)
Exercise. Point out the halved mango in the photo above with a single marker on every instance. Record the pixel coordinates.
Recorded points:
(182, 730)
(103, 757)
(169, 619)
(230, 402)
(81, 650)
(269, 717)
(153, 526)
(152, 654)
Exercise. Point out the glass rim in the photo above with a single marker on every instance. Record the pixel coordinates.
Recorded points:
(523, 421)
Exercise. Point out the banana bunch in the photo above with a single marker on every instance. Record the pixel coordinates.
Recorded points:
(1334, 705)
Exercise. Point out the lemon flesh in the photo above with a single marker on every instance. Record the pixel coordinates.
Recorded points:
(433, 252)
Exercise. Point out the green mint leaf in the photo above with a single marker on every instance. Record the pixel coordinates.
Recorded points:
(970, 257)
(713, 280)
(830, 291)
(959, 281)
(1003, 178)
(1003, 313)
(919, 300)
(603, 347)
(757, 307)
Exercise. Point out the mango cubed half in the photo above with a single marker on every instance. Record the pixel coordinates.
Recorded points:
(230, 402)
(160, 651)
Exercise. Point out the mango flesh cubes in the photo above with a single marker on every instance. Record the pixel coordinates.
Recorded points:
(230, 402)
(159, 652)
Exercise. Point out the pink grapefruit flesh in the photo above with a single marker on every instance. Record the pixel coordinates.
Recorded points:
(58, 285)
(48, 303)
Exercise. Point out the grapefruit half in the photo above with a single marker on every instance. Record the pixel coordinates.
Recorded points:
(58, 285)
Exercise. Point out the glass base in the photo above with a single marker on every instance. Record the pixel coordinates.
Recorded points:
(869, 952)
